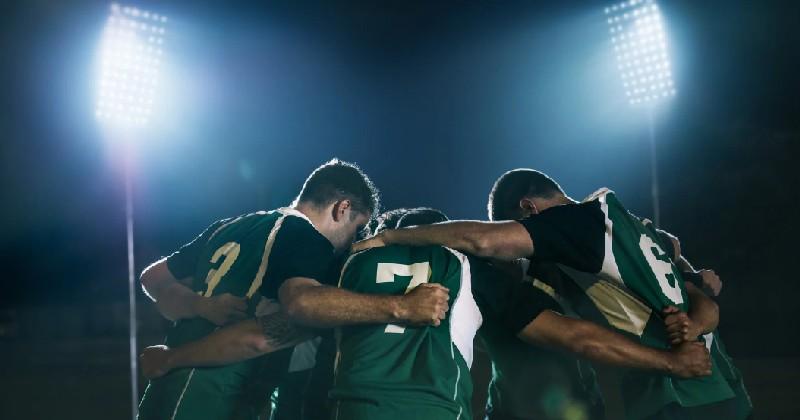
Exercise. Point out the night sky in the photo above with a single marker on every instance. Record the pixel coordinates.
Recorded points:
(434, 100)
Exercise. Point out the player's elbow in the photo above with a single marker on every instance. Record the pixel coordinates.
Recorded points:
(299, 309)
(149, 281)
(152, 276)
(480, 245)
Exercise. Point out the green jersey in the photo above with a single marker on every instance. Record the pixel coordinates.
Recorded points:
(248, 256)
(387, 371)
(626, 278)
(530, 382)
(422, 368)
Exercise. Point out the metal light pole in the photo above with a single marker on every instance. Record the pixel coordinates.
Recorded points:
(131, 51)
(654, 190)
(640, 44)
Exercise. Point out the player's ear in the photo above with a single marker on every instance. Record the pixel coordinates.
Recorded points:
(341, 210)
(528, 207)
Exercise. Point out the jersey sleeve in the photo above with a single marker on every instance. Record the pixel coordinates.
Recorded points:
(526, 304)
(512, 302)
(182, 263)
(299, 251)
(570, 234)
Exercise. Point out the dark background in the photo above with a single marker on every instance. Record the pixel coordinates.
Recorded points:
(434, 100)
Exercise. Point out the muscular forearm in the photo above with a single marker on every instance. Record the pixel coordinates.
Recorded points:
(703, 311)
(172, 299)
(325, 307)
(462, 235)
(499, 240)
(594, 343)
(241, 341)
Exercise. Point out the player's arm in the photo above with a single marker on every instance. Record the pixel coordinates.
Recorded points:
(703, 317)
(498, 240)
(176, 301)
(235, 343)
(706, 279)
(312, 304)
(598, 344)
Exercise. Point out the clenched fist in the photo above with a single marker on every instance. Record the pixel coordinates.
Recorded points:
(155, 361)
(711, 282)
(426, 304)
(679, 326)
(690, 359)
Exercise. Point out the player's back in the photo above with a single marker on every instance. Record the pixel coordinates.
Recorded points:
(405, 372)
(636, 282)
(228, 263)
(246, 257)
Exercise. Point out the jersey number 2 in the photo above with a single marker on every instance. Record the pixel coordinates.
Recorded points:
(419, 273)
(230, 251)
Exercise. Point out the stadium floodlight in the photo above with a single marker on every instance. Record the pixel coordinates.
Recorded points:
(131, 52)
(640, 44)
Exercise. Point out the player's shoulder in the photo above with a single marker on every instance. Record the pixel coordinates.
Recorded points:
(601, 195)
(295, 222)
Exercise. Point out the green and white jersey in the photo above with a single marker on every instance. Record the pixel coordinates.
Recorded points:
(248, 256)
(415, 367)
(530, 382)
(626, 278)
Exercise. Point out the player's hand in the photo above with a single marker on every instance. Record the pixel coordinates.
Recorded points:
(373, 242)
(690, 359)
(223, 309)
(680, 327)
(155, 361)
(711, 282)
(425, 305)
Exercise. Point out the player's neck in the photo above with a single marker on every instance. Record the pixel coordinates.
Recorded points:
(559, 200)
(313, 214)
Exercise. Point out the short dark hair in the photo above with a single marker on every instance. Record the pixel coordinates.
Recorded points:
(404, 217)
(516, 184)
(388, 220)
(339, 180)
(421, 216)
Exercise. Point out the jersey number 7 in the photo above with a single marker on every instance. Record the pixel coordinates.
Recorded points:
(419, 273)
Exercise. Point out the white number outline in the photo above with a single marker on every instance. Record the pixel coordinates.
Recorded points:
(661, 269)
(230, 251)
(419, 273)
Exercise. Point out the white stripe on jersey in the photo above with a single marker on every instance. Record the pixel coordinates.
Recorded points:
(262, 269)
(621, 308)
(180, 398)
(610, 270)
(465, 317)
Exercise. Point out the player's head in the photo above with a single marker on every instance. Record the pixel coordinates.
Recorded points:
(421, 216)
(521, 192)
(387, 220)
(404, 217)
(343, 198)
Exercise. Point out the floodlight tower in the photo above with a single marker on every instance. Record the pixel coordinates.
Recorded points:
(130, 57)
(640, 44)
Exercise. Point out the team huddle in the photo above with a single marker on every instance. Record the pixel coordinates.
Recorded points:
(280, 312)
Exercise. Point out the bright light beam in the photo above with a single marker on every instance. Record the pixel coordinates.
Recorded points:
(640, 44)
(131, 54)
